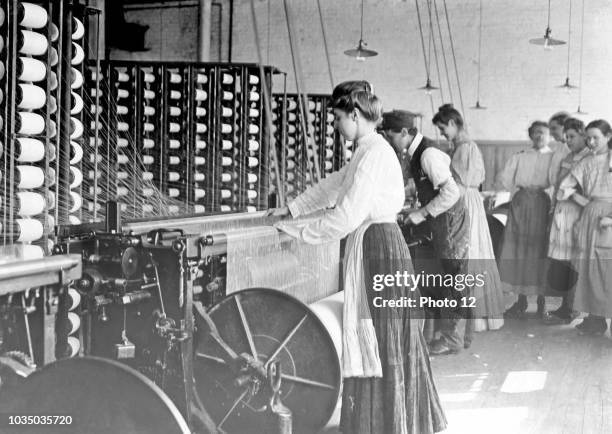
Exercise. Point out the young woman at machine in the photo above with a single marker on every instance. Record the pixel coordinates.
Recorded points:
(561, 275)
(388, 385)
(524, 250)
(590, 184)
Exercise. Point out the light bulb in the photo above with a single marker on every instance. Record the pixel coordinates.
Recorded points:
(427, 91)
(547, 46)
(360, 59)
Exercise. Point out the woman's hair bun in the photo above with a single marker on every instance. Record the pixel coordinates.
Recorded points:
(446, 107)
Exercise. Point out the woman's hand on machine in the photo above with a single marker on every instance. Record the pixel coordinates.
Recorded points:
(282, 212)
(605, 222)
(416, 217)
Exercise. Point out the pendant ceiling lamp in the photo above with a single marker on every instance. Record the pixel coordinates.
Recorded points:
(547, 41)
(579, 110)
(428, 86)
(477, 106)
(567, 86)
(360, 53)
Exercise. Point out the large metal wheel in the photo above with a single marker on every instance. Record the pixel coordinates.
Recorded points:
(100, 396)
(267, 325)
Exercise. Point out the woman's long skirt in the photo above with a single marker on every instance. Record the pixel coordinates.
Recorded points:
(523, 261)
(404, 400)
(489, 308)
(594, 260)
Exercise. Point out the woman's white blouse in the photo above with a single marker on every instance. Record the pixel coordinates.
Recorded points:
(370, 188)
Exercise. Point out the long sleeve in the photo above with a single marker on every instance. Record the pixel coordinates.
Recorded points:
(568, 186)
(320, 196)
(350, 211)
(436, 166)
(468, 165)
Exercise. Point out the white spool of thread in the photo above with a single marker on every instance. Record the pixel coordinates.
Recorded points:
(74, 298)
(148, 159)
(173, 209)
(290, 164)
(329, 142)
(122, 93)
(291, 140)
(201, 79)
(77, 177)
(226, 177)
(174, 176)
(253, 145)
(77, 202)
(201, 128)
(95, 158)
(253, 129)
(77, 128)
(174, 160)
(226, 112)
(122, 126)
(251, 209)
(122, 77)
(2, 17)
(199, 209)
(29, 123)
(198, 193)
(253, 79)
(253, 96)
(2, 70)
(148, 94)
(94, 92)
(174, 144)
(147, 176)
(148, 192)
(175, 94)
(148, 78)
(199, 161)
(30, 203)
(29, 150)
(77, 54)
(32, 43)
(225, 194)
(228, 96)
(122, 159)
(225, 208)
(199, 177)
(348, 153)
(148, 127)
(173, 127)
(123, 191)
(122, 110)
(54, 33)
(200, 112)
(201, 95)
(76, 153)
(49, 223)
(77, 104)
(253, 162)
(291, 129)
(148, 143)
(329, 154)
(52, 105)
(29, 230)
(91, 206)
(53, 57)
(290, 152)
(251, 194)
(174, 192)
(291, 104)
(122, 142)
(175, 78)
(251, 178)
(50, 200)
(32, 16)
(226, 128)
(226, 145)
(253, 113)
(149, 111)
(227, 79)
(75, 322)
(200, 145)
(175, 111)
(290, 176)
(226, 161)
(78, 29)
(74, 346)
(329, 166)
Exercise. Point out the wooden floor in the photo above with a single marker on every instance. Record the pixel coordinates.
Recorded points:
(527, 378)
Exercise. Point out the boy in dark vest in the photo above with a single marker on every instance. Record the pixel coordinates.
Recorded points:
(441, 205)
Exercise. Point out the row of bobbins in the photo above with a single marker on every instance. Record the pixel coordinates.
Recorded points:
(26, 173)
(201, 113)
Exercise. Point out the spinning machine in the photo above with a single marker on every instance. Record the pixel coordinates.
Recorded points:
(144, 290)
